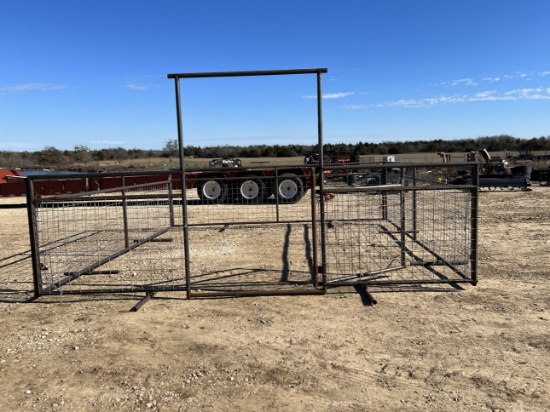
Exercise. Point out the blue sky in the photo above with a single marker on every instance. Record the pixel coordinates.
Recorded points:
(93, 73)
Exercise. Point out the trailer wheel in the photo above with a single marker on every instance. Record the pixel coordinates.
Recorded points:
(212, 190)
(290, 188)
(251, 189)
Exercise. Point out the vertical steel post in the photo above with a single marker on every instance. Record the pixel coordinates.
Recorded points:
(474, 214)
(183, 189)
(384, 181)
(403, 220)
(414, 205)
(171, 201)
(321, 178)
(125, 215)
(33, 236)
(314, 228)
(277, 194)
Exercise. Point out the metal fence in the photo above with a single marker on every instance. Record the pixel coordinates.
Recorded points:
(399, 224)
(368, 225)
(150, 238)
(289, 230)
(114, 240)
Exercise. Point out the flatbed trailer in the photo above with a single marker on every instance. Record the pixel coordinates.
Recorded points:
(288, 184)
(11, 183)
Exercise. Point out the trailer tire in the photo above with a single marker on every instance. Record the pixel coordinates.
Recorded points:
(290, 188)
(212, 190)
(251, 189)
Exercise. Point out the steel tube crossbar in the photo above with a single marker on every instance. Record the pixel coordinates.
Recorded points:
(378, 282)
(111, 190)
(245, 73)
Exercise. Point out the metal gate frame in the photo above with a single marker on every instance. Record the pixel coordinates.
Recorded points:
(257, 292)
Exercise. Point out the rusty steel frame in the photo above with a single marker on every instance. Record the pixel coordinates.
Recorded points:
(33, 202)
(177, 76)
(318, 212)
(397, 230)
(105, 195)
(402, 234)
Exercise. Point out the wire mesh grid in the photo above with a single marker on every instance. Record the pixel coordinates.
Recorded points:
(357, 244)
(413, 229)
(132, 239)
(123, 240)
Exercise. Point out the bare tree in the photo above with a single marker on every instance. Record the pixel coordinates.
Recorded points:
(82, 154)
(50, 157)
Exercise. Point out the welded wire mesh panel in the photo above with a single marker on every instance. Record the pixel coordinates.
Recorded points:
(357, 244)
(407, 226)
(435, 228)
(437, 216)
(120, 240)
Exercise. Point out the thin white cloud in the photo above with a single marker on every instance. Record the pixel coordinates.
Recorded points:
(489, 95)
(138, 87)
(331, 95)
(461, 82)
(529, 94)
(485, 94)
(493, 79)
(42, 87)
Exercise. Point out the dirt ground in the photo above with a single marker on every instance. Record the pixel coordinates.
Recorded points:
(484, 347)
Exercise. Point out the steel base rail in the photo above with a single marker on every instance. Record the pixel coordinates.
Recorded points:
(377, 282)
(263, 292)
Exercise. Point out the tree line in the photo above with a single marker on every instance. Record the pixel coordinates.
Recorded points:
(50, 157)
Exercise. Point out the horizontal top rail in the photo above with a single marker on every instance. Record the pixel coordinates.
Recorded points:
(246, 73)
(74, 196)
(83, 175)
